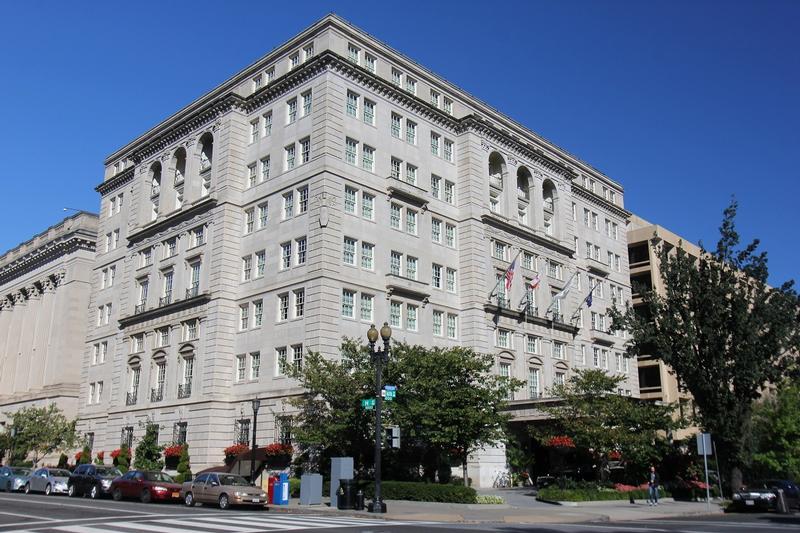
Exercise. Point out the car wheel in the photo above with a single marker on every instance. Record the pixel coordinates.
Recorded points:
(48, 490)
(189, 499)
(27, 488)
(72, 491)
(94, 492)
(224, 503)
(146, 496)
(117, 495)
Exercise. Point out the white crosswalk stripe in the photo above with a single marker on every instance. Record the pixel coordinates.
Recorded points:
(217, 523)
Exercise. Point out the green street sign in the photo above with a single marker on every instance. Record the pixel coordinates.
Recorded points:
(368, 403)
(390, 395)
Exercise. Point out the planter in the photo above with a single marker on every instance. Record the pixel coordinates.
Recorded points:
(279, 462)
(171, 462)
(229, 459)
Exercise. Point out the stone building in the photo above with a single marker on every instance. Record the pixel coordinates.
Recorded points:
(333, 184)
(44, 293)
(656, 381)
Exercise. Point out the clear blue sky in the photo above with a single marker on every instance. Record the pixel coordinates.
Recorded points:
(684, 103)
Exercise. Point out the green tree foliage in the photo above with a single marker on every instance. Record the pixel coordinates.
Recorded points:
(597, 418)
(123, 460)
(40, 432)
(184, 469)
(776, 434)
(86, 455)
(723, 331)
(63, 461)
(448, 403)
(148, 452)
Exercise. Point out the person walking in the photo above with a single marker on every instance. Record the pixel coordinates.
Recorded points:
(652, 486)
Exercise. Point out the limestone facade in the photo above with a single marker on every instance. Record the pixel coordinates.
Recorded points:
(44, 294)
(332, 184)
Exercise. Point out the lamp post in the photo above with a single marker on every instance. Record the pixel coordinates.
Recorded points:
(380, 357)
(11, 451)
(256, 404)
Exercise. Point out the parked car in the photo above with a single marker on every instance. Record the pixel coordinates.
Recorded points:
(146, 485)
(223, 489)
(763, 495)
(93, 480)
(49, 481)
(13, 478)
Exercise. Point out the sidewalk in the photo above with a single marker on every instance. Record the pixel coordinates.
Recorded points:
(519, 508)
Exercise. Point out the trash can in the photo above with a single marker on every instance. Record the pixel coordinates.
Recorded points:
(345, 496)
(358, 503)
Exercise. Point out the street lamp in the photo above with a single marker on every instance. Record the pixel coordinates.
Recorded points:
(380, 357)
(256, 404)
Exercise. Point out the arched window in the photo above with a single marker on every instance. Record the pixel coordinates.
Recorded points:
(523, 196)
(155, 189)
(179, 160)
(549, 206)
(497, 171)
(206, 160)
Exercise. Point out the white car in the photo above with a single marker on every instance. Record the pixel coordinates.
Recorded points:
(48, 480)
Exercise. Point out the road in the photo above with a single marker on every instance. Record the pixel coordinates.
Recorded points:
(55, 514)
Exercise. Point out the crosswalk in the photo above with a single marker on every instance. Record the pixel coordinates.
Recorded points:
(233, 522)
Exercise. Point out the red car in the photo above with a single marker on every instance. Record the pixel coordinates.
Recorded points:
(147, 486)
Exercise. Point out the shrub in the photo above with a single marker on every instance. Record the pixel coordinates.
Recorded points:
(422, 492)
(294, 487)
(184, 470)
(63, 460)
(488, 499)
(122, 458)
(593, 494)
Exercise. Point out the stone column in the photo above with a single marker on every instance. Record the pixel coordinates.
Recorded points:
(10, 378)
(48, 359)
(6, 312)
(35, 351)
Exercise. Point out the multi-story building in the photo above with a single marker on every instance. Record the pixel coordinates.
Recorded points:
(44, 293)
(333, 184)
(656, 381)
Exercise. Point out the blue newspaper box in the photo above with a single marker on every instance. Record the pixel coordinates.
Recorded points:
(280, 494)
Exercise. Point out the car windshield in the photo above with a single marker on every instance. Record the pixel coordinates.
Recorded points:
(107, 472)
(59, 473)
(21, 471)
(159, 476)
(237, 481)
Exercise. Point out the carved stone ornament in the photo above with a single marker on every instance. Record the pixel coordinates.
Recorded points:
(216, 126)
(190, 142)
(58, 278)
(6, 303)
(485, 146)
(512, 160)
(48, 285)
(19, 298)
(33, 291)
(165, 157)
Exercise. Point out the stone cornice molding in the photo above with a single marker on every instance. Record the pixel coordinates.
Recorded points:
(80, 239)
(171, 222)
(624, 214)
(33, 290)
(528, 235)
(520, 317)
(174, 307)
(117, 181)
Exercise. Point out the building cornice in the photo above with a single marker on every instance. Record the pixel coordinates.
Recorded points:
(81, 239)
(116, 181)
(174, 307)
(521, 316)
(624, 214)
(170, 222)
(495, 221)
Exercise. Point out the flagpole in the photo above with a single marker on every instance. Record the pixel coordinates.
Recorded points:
(503, 278)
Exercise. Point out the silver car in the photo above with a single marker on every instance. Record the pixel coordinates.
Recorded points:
(13, 478)
(48, 480)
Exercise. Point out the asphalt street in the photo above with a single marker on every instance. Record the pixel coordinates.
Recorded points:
(55, 514)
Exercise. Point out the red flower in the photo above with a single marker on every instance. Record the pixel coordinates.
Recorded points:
(620, 487)
(173, 451)
(101, 455)
(278, 449)
(78, 456)
(615, 455)
(235, 449)
(561, 441)
(116, 453)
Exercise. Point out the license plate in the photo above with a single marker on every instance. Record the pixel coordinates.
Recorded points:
(749, 502)
(176, 494)
(256, 500)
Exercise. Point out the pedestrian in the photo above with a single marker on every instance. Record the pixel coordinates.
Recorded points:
(652, 486)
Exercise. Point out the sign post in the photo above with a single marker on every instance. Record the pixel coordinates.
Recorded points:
(704, 448)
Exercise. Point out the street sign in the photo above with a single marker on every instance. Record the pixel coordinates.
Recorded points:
(389, 395)
(704, 444)
(369, 403)
(390, 387)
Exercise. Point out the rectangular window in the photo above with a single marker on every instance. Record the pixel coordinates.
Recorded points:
(436, 230)
(283, 306)
(299, 303)
(247, 267)
(395, 168)
(302, 202)
(559, 350)
(261, 262)
(450, 235)
(449, 192)
(448, 106)
(308, 52)
(280, 360)
(394, 216)
(411, 317)
(411, 132)
(411, 85)
(291, 110)
(367, 255)
(286, 255)
(395, 314)
(294, 60)
(435, 143)
(289, 156)
(366, 307)
(307, 99)
(288, 205)
(349, 200)
(411, 267)
(531, 344)
(451, 280)
(268, 124)
(240, 368)
(533, 383)
(436, 186)
(396, 125)
(352, 53)
(411, 174)
(367, 206)
(396, 77)
(350, 151)
(411, 221)
(301, 244)
(436, 276)
(369, 112)
(503, 338)
(448, 150)
(558, 379)
(368, 158)
(244, 316)
(249, 220)
(369, 62)
(395, 260)
(297, 356)
(352, 104)
(255, 365)
(305, 150)
(452, 326)
(348, 298)
(435, 96)
(254, 131)
(263, 215)
(258, 313)
(438, 322)
(349, 251)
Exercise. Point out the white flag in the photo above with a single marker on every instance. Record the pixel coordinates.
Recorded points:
(561, 294)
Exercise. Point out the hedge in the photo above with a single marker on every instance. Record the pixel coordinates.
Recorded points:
(405, 490)
(555, 494)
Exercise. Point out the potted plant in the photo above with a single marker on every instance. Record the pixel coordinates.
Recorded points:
(172, 455)
(100, 458)
(231, 452)
(278, 455)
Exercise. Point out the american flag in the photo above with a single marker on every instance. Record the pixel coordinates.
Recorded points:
(510, 274)
(535, 281)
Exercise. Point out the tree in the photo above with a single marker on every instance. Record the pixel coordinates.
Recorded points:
(148, 452)
(776, 433)
(85, 456)
(40, 432)
(184, 470)
(123, 460)
(448, 402)
(724, 332)
(596, 417)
